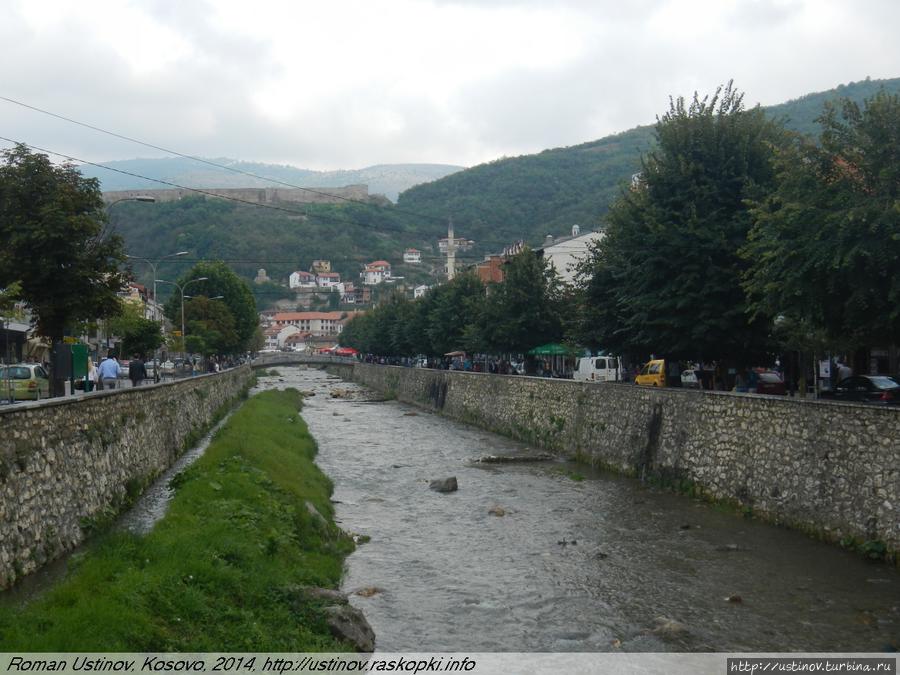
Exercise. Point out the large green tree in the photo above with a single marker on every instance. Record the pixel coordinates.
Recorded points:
(525, 309)
(211, 327)
(236, 298)
(668, 270)
(52, 241)
(825, 248)
(139, 334)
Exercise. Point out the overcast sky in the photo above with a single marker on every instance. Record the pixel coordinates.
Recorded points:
(342, 84)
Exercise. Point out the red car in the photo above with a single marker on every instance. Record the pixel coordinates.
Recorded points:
(770, 382)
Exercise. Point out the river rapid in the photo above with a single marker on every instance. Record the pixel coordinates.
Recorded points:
(579, 560)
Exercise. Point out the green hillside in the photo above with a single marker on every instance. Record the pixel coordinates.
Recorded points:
(532, 195)
(495, 204)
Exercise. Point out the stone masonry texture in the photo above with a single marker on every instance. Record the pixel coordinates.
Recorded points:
(66, 464)
(831, 470)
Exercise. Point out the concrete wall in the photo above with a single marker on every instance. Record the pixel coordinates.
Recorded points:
(832, 470)
(69, 464)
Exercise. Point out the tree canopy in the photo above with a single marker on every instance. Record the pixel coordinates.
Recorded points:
(52, 242)
(825, 249)
(237, 300)
(667, 275)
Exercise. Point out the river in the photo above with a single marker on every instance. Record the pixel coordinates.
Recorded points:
(581, 560)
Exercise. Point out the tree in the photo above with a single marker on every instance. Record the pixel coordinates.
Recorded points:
(453, 307)
(211, 327)
(52, 241)
(825, 247)
(139, 334)
(669, 270)
(236, 298)
(524, 310)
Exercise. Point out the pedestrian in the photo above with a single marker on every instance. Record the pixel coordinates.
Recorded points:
(109, 372)
(92, 376)
(137, 371)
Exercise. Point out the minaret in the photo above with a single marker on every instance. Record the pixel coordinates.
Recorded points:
(451, 251)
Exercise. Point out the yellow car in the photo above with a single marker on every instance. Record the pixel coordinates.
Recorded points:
(653, 374)
(24, 382)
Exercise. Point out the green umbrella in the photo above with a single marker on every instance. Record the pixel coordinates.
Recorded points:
(550, 349)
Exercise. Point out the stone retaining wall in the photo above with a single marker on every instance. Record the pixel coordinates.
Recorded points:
(68, 465)
(832, 470)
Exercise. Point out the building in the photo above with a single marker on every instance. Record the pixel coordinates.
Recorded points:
(261, 277)
(328, 279)
(490, 270)
(376, 273)
(317, 324)
(419, 291)
(320, 266)
(564, 253)
(301, 279)
(412, 256)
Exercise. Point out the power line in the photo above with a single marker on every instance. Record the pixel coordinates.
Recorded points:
(201, 160)
(230, 198)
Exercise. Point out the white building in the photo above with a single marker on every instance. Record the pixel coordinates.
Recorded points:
(328, 279)
(317, 324)
(376, 272)
(419, 291)
(564, 253)
(301, 279)
(413, 256)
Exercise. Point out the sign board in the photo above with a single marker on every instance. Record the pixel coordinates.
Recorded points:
(79, 360)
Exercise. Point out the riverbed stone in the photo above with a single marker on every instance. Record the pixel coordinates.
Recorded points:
(444, 484)
(348, 623)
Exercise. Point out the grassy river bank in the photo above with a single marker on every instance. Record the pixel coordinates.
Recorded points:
(224, 570)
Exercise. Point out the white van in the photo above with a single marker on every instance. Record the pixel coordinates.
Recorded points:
(599, 369)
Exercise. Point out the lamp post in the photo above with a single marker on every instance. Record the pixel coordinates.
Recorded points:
(181, 288)
(153, 265)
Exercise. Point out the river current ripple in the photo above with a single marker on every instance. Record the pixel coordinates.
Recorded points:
(581, 560)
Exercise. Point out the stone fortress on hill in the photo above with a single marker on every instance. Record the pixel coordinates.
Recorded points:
(330, 195)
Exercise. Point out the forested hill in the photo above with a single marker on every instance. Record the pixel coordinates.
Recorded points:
(532, 195)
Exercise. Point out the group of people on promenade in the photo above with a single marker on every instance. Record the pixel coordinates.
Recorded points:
(106, 375)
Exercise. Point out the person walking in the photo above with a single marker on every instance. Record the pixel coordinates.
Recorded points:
(109, 372)
(92, 376)
(137, 371)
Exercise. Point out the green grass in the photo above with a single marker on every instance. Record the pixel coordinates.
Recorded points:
(223, 571)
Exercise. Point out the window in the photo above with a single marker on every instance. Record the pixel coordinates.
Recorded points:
(15, 373)
(654, 369)
(601, 364)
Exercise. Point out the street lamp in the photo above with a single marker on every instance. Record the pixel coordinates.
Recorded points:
(153, 266)
(181, 288)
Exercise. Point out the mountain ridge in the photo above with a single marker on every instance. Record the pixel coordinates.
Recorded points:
(386, 179)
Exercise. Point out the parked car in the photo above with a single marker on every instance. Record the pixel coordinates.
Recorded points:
(24, 382)
(598, 369)
(770, 382)
(652, 374)
(882, 389)
(689, 379)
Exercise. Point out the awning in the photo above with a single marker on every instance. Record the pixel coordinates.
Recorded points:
(551, 349)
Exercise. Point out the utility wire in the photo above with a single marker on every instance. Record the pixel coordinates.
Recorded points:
(238, 200)
(203, 161)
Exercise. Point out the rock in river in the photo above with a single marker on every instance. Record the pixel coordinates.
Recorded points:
(497, 511)
(348, 623)
(444, 485)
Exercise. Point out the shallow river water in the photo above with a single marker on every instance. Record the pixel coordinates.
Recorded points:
(581, 560)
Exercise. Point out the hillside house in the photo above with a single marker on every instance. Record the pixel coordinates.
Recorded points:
(328, 279)
(301, 279)
(376, 273)
(412, 256)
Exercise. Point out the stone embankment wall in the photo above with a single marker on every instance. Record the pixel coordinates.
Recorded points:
(68, 465)
(832, 470)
